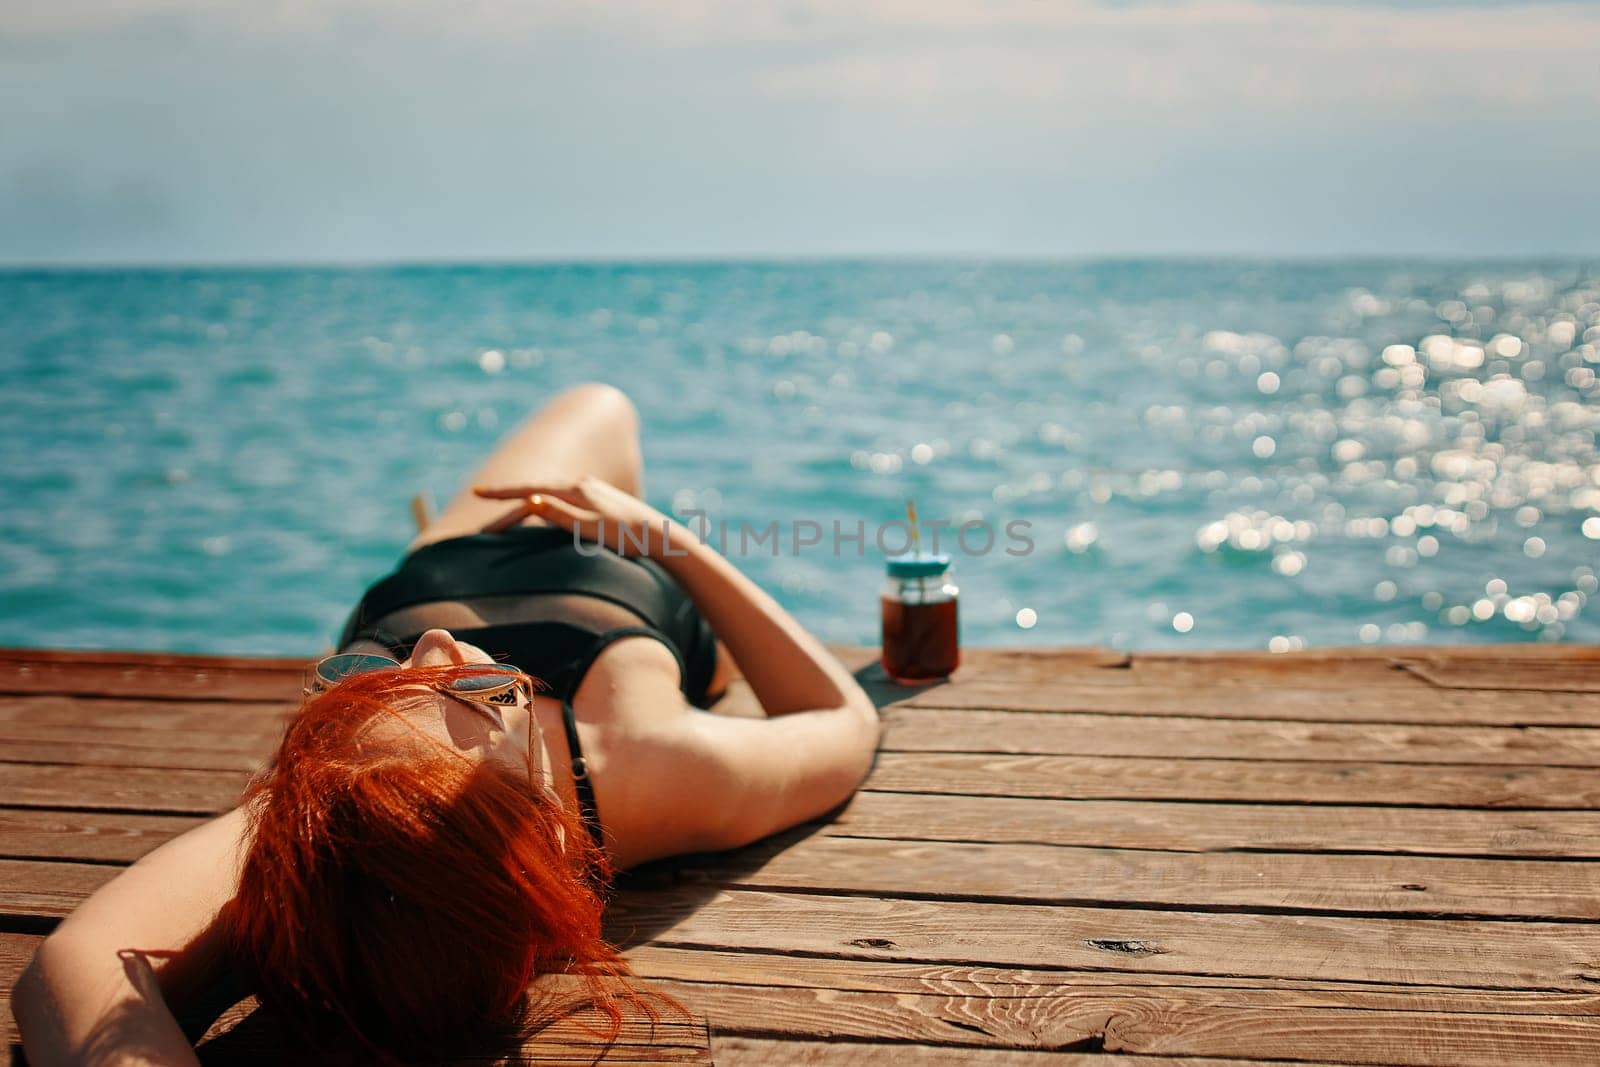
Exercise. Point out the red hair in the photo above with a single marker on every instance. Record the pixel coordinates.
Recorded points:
(398, 896)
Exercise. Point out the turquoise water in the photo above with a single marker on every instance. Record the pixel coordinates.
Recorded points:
(1244, 455)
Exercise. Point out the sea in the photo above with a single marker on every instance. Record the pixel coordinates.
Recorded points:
(1142, 454)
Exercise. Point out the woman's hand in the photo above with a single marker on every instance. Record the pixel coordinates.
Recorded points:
(593, 509)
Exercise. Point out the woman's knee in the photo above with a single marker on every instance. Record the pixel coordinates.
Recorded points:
(600, 400)
(599, 426)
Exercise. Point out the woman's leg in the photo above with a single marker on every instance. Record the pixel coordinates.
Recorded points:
(588, 429)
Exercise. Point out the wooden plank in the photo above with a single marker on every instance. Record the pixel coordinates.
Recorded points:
(48, 890)
(226, 742)
(237, 717)
(1481, 672)
(1248, 669)
(129, 748)
(131, 674)
(1381, 667)
(1269, 671)
(1152, 1020)
(999, 1008)
(1423, 706)
(733, 1051)
(1007, 660)
(1511, 954)
(123, 747)
(864, 976)
(1181, 737)
(1412, 951)
(98, 836)
(1363, 667)
(1250, 881)
(1382, 653)
(1184, 827)
(38, 785)
(120, 657)
(1555, 955)
(1237, 780)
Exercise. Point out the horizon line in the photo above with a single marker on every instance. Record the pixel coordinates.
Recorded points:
(21, 266)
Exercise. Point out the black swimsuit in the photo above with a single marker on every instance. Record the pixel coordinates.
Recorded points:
(564, 597)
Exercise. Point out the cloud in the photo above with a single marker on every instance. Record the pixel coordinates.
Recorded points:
(675, 23)
(1220, 59)
(50, 204)
(355, 128)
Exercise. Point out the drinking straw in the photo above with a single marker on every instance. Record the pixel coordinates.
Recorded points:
(916, 544)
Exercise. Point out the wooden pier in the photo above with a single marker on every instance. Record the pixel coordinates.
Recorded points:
(1356, 856)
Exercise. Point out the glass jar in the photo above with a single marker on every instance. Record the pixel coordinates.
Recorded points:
(920, 639)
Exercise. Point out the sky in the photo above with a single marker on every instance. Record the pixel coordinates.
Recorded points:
(184, 131)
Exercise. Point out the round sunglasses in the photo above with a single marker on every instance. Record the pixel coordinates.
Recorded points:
(490, 686)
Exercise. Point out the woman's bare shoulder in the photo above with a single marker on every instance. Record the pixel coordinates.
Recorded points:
(631, 686)
(176, 889)
(164, 909)
(697, 781)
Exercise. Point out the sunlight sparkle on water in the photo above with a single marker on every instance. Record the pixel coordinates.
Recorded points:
(1322, 453)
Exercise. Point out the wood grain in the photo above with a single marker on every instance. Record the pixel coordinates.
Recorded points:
(1182, 737)
(48, 889)
(895, 978)
(148, 789)
(1424, 705)
(1481, 672)
(1355, 884)
(1236, 780)
(131, 674)
(121, 837)
(108, 750)
(117, 741)
(734, 1051)
(1337, 856)
(237, 718)
(1489, 954)
(1210, 827)
(1152, 1020)
(122, 746)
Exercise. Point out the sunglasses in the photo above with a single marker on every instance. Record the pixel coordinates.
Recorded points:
(490, 686)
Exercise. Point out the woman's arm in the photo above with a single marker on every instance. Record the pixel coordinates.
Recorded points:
(756, 777)
(98, 990)
(786, 667)
(745, 778)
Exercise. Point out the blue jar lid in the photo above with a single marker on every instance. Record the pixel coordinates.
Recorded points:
(918, 565)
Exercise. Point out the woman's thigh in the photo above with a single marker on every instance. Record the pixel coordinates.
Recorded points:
(588, 429)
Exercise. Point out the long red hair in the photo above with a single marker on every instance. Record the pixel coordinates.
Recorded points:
(397, 897)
